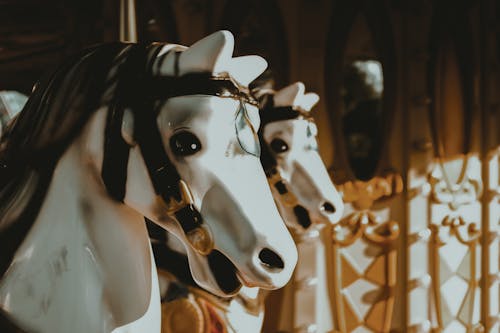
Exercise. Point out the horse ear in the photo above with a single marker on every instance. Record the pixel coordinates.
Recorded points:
(246, 69)
(307, 101)
(210, 54)
(128, 127)
(289, 96)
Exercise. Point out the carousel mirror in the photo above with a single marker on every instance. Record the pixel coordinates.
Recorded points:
(362, 94)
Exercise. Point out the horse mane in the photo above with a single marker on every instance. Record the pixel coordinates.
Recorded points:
(54, 115)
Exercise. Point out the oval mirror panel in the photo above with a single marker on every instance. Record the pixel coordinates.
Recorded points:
(362, 95)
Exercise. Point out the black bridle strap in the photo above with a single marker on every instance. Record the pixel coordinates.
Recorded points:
(131, 92)
(163, 174)
(116, 153)
(268, 114)
(116, 150)
(279, 113)
(165, 87)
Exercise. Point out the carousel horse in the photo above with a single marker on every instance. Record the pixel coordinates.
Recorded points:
(306, 198)
(119, 133)
(307, 201)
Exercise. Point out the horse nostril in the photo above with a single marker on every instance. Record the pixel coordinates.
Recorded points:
(328, 208)
(270, 260)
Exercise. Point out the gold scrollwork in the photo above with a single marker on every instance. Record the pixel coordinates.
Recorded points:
(468, 235)
(362, 194)
(468, 190)
(366, 225)
(493, 194)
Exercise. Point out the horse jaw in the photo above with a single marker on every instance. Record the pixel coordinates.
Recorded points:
(83, 251)
(304, 170)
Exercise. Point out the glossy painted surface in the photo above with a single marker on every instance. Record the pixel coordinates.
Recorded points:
(86, 263)
(300, 164)
(307, 178)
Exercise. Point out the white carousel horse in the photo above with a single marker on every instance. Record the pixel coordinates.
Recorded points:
(306, 198)
(310, 203)
(119, 133)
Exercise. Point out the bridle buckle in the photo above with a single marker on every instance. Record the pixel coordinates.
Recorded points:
(197, 233)
(186, 199)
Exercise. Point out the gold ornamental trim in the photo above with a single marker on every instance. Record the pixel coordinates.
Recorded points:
(182, 315)
(366, 225)
(466, 191)
(468, 235)
(363, 194)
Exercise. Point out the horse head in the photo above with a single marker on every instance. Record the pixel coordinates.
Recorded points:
(298, 176)
(209, 177)
(121, 132)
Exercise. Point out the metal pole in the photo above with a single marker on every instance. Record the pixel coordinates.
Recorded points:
(128, 21)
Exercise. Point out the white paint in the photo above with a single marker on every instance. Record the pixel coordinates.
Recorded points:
(82, 252)
(301, 165)
(307, 176)
(86, 264)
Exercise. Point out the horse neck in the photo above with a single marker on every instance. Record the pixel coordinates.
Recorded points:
(306, 301)
(81, 253)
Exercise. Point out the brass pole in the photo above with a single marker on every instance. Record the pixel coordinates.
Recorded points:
(128, 21)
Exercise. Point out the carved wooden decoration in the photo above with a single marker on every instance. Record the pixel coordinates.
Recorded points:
(454, 250)
(365, 244)
(455, 180)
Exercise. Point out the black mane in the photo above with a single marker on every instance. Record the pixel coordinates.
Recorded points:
(56, 112)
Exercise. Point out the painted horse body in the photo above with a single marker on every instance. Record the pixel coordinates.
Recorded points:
(306, 199)
(119, 133)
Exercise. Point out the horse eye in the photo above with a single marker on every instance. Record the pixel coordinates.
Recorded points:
(185, 144)
(279, 146)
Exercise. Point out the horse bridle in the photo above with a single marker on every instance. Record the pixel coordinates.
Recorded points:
(268, 114)
(141, 92)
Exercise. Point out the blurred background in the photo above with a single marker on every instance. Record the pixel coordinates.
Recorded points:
(408, 123)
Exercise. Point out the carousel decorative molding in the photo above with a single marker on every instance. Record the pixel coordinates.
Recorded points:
(467, 191)
(363, 194)
(365, 243)
(455, 179)
(382, 272)
(455, 228)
